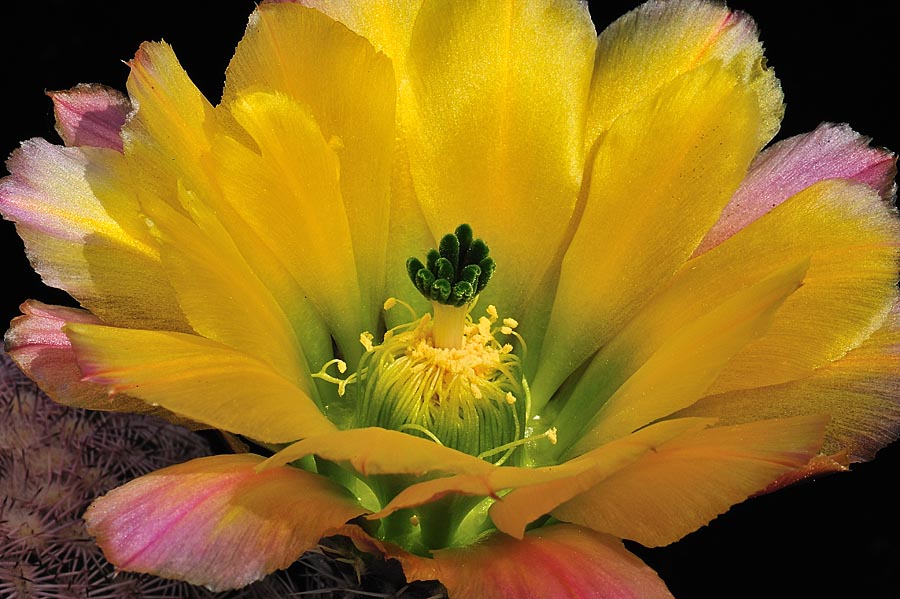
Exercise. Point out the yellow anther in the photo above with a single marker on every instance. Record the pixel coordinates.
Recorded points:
(492, 312)
(551, 435)
(510, 398)
(390, 303)
(506, 330)
(506, 348)
(511, 322)
(366, 339)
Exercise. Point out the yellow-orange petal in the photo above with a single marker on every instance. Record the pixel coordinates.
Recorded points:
(217, 522)
(819, 465)
(853, 240)
(387, 25)
(693, 478)
(380, 451)
(849, 236)
(560, 561)
(80, 219)
(681, 369)
(652, 45)
(199, 379)
(686, 151)
(790, 166)
(493, 114)
(542, 489)
(859, 391)
(350, 91)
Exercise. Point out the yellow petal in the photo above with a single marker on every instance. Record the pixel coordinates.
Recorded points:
(683, 366)
(220, 295)
(494, 123)
(215, 522)
(350, 91)
(853, 238)
(859, 391)
(684, 153)
(199, 379)
(652, 45)
(693, 478)
(387, 25)
(559, 561)
(287, 193)
(79, 216)
(169, 133)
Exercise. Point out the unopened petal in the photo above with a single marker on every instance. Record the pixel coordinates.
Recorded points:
(215, 521)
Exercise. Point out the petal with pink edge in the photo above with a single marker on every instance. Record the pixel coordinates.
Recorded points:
(84, 231)
(790, 166)
(36, 342)
(215, 521)
(560, 561)
(90, 115)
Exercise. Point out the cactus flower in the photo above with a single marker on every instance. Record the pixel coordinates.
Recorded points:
(482, 290)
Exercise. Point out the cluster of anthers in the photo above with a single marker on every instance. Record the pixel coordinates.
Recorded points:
(446, 376)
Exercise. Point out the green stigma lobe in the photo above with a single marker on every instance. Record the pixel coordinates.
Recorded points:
(456, 272)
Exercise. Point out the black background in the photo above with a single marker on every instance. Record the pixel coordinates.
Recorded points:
(836, 537)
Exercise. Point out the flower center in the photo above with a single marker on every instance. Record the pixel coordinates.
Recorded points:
(466, 397)
(447, 376)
